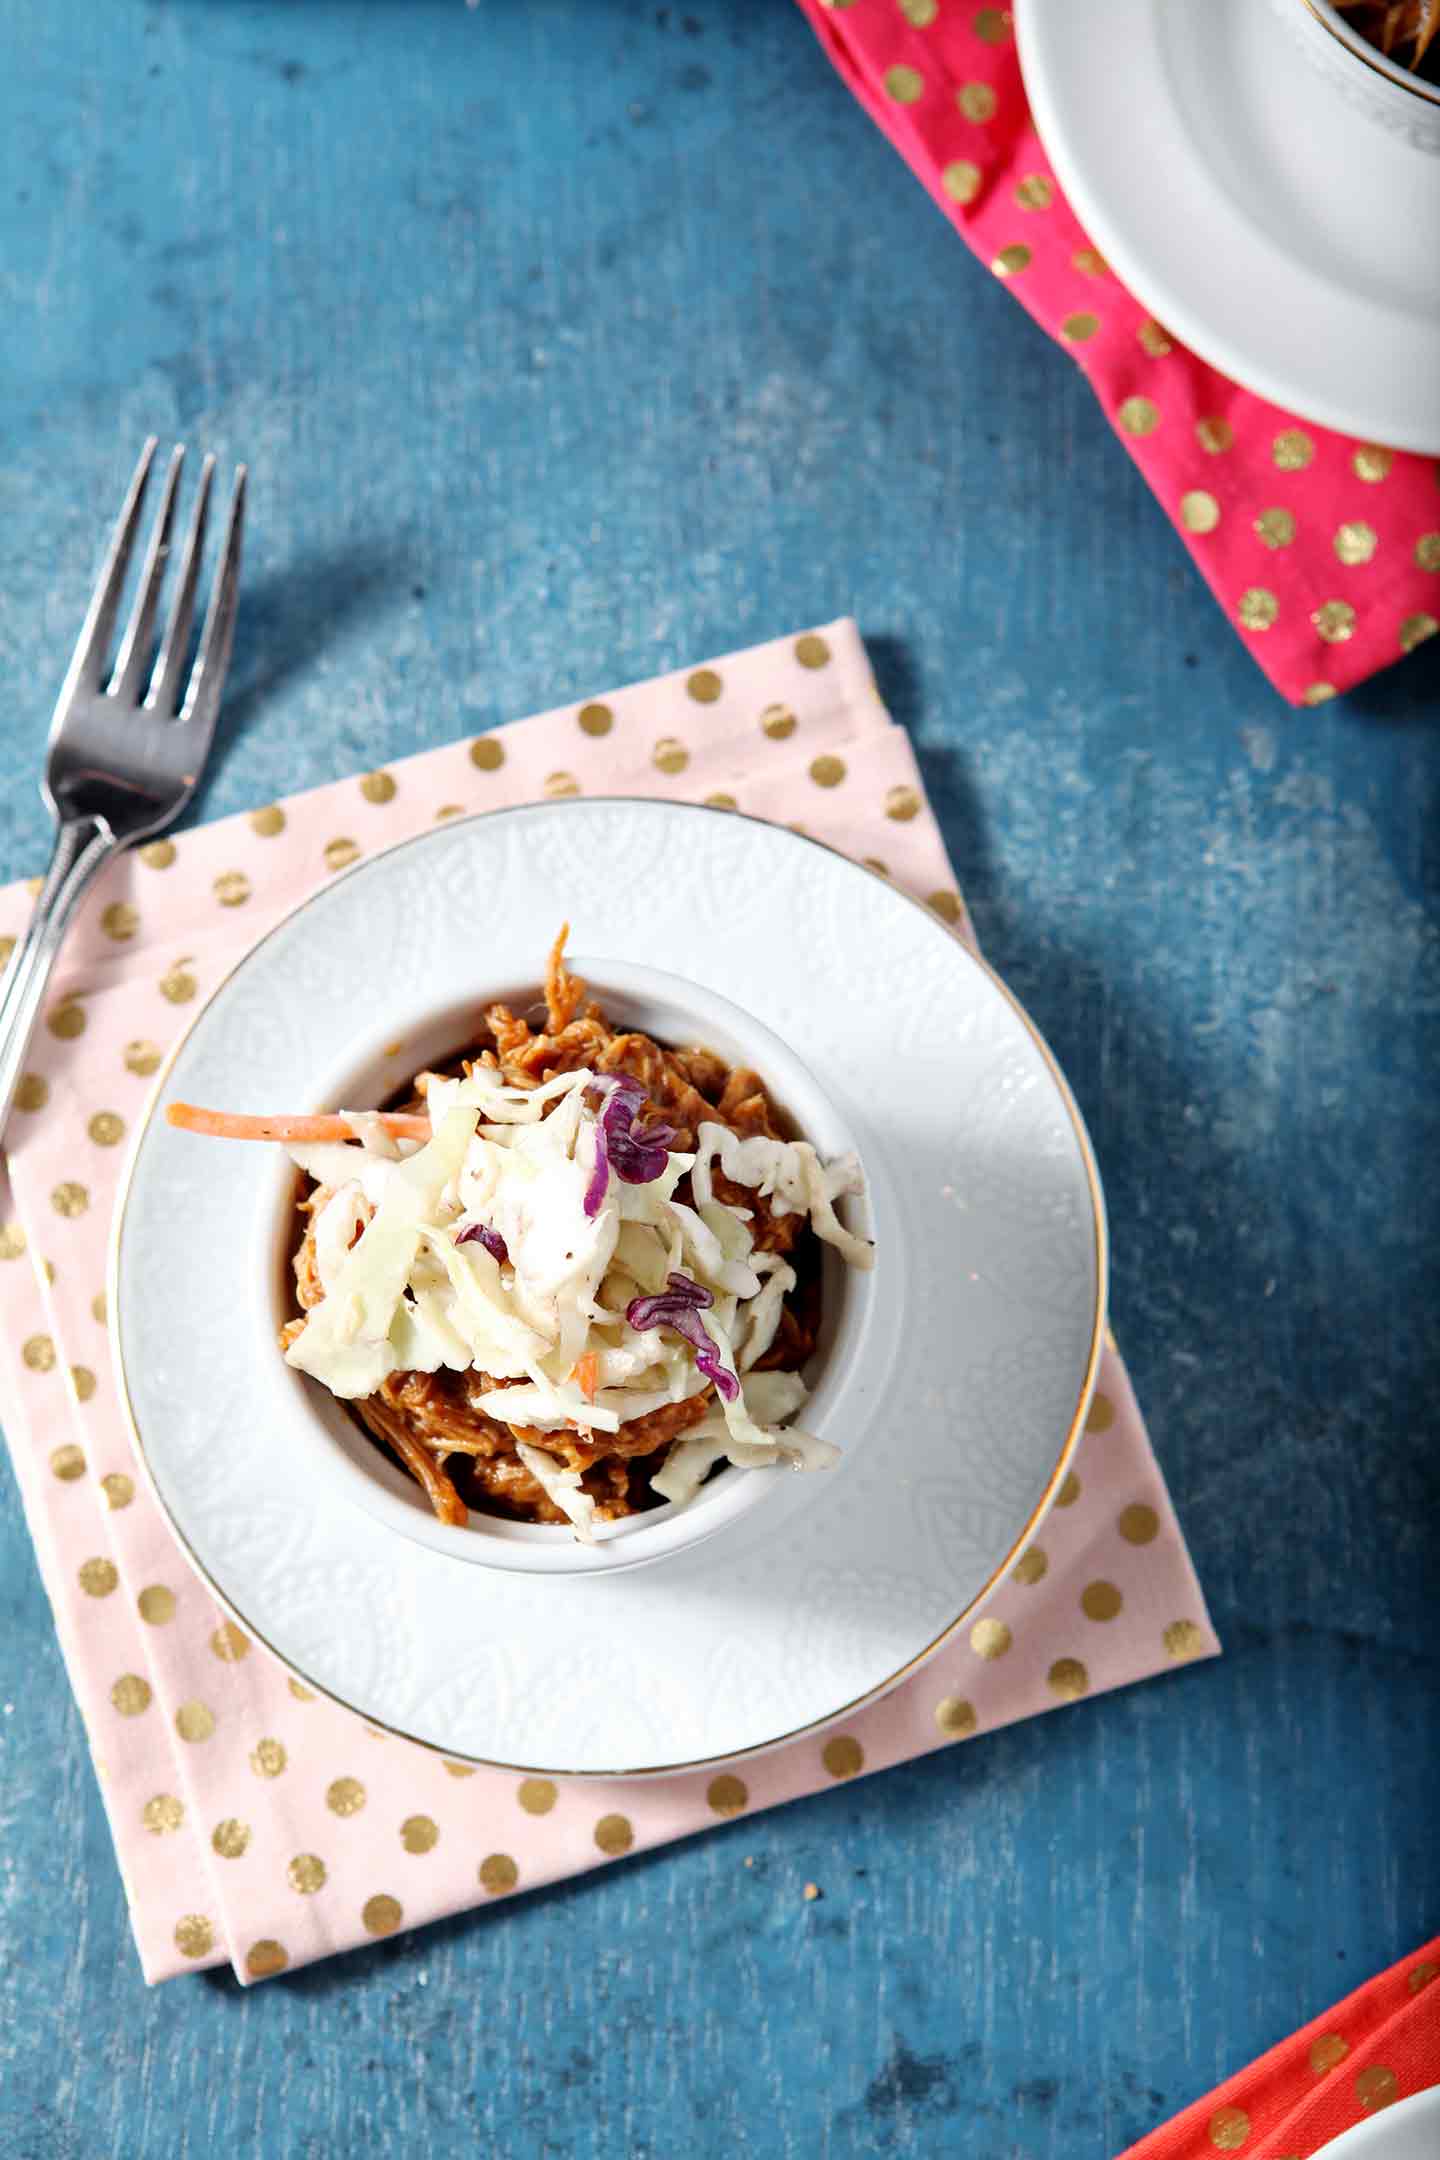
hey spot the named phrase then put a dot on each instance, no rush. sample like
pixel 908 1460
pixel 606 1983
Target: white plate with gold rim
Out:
pixel 1260 190
pixel 984 1328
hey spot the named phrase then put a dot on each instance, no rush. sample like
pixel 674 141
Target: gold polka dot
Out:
pixel 614 1834
pixel 1327 2050
pixel 920 13
pixel 1427 551
pixel 7 946
pixel 232 888
pixel 498 1873
pixel 1421 1975
pixel 130 1694
pixel 1258 607
pixel 120 921
pixel 873 862
pixel 230 1838
pixel 68 1463
pixel 12 1241
pixel 1068 1679
pixel 704 686
pixel 487 754
pixel 177 986
pixel 976 101
pixel 1275 528
pixel 66 1020
pixel 268 822
pixel 1199 511
pixel 1335 621
pixel 267 1957
pixel 70 1199
pixel 827 771
pixel 419 1834
pixel 157 1604
pixel 306 1873
pixel 194 1936
pixel 1089 262
pixel 458 1770
pixel 1078 329
pixel 34 887
pixel 1154 339
pixel 1292 450
pixel 947 905
pixel 449 810
pixel 1229 2128
pixel 670 755
pixel 106 1128
pixel 904 84
pixel 812 651
pixel 1011 261
pixel 1069 1491
pixel 38 1353
pixel 49 1268
pixel 1214 435
pixel 902 804
pixel 1035 192
pixel 727 1795
pixel 1317 693
pixel 843 1756
pixel 992 25
pixel 340 851
pixel 721 801
pixel 961 180
pixel 1138 1524
pixel 33 1092
pixel 301 1694
pixel 157 854
pixel 98 1578
pixel 778 722
pixel 345 1796
pixel 1031 1566
pixel 1139 416
pixel 1100 1601
pixel 595 719
pixel 1101 1414
pixel 1415 629
pixel 118 1489
pixel 194 1722
pixel 143 1057
pixel 228 1644
pixel 378 787
pixel 1183 1640
pixel 1376 2087
pixel 99 1307
pixel 955 1717
pixel 162 1814
pixel 1355 541
pixel 1372 463
pixel 267 1758
pixel 560 784
pixel 990 1638
pixel 537 1795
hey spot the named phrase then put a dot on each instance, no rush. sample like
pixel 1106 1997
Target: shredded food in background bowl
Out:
pixel 1403 30
pixel 570 1274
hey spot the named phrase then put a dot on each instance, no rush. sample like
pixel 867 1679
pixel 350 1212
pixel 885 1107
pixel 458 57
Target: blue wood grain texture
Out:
pixel 573 340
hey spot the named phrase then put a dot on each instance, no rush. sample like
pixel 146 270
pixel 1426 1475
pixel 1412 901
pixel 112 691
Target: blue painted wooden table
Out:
pixel 573 340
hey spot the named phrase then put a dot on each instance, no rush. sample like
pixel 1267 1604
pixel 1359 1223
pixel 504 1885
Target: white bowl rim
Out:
pixel 1333 23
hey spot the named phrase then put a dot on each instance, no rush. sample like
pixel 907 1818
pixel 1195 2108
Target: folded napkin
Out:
pixel 1323 552
pixel 254 1821
pixel 1380 2045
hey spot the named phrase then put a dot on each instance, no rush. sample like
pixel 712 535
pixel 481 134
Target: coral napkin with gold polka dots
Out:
pixel 254 1820
pixel 1379 2046
pixel 1324 553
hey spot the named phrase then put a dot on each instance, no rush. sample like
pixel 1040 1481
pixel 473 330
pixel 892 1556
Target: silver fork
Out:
pixel 125 756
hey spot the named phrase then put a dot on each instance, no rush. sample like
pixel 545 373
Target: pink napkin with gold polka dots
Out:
pixel 254 1821
pixel 1323 552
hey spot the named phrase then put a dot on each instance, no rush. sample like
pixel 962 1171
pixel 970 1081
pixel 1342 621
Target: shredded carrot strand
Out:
pixel 587 1374
pixel 232 1125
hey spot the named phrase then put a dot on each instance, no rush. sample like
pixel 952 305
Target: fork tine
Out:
pixel 94 639
pixel 202 699
pixel 135 652
pixel 166 681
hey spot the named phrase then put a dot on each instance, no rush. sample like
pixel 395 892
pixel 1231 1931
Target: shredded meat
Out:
pixel 431 1423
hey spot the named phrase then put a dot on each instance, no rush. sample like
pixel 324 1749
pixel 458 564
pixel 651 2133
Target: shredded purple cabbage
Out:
pixel 636 1158
pixel 679 1307
pixel 491 1239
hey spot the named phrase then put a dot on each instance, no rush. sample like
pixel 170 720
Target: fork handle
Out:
pixel 83 846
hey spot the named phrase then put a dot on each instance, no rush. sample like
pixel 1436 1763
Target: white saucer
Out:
pixel 978 1363
pixel 1406 2130
pixel 1250 200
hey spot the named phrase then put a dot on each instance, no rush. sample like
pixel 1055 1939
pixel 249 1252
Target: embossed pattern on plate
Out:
pixel 990 1284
